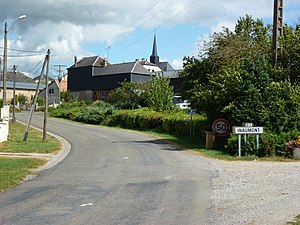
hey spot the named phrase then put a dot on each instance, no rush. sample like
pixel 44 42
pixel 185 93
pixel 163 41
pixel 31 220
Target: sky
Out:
pixel 119 30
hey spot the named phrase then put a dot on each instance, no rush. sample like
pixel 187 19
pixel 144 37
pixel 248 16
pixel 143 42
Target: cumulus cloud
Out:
pixel 69 27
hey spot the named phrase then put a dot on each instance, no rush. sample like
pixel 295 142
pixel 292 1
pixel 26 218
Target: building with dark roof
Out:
pixel 92 78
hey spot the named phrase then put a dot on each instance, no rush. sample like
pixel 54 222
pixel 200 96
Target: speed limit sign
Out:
pixel 221 127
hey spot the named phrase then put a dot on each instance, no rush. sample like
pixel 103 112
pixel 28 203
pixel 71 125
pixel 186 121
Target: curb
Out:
pixel 60 156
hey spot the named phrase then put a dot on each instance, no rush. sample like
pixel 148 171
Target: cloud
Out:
pixel 83 28
pixel 177 63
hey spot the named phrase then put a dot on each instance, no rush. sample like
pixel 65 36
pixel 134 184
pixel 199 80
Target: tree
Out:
pixel 234 78
pixel 66 96
pixel 159 93
pixel 129 95
pixel 290 55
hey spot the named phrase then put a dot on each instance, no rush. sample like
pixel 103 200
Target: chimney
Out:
pixel 104 62
pixel 75 60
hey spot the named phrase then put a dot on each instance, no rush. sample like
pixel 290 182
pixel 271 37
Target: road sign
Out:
pixel 221 127
pixel 191 111
pixel 247 130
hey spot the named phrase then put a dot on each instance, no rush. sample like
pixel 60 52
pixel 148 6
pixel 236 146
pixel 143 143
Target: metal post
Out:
pixel 191 126
pixel 4 64
pixel 14 95
pixel 240 145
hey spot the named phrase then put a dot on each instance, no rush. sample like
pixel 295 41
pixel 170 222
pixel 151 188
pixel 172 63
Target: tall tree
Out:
pixel 159 93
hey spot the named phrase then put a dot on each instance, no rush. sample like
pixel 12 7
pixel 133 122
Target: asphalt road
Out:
pixel 112 176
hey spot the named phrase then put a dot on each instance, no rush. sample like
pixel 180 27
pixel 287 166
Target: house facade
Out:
pixel 23 85
pixel 93 78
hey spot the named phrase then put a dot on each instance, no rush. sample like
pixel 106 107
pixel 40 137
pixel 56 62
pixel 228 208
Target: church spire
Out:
pixel 154 58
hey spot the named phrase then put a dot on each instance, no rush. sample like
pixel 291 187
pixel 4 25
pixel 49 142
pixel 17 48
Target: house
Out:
pixel 92 78
pixel 24 85
pixel 55 88
pixel 43 80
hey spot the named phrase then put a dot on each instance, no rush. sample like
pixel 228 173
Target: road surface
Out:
pixel 112 176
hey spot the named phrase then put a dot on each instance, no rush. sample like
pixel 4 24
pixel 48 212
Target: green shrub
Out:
pixel 271 144
pixel 90 115
pixel 172 122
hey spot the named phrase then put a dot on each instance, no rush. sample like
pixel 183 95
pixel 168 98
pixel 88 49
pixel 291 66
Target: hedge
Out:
pixel 171 122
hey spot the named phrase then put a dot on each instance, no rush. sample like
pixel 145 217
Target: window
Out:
pixel 51 91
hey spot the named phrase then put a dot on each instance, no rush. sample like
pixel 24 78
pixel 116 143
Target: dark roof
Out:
pixel 147 63
pixel 22 85
pixel 172 73
pixel 43 78
pixel 90 61
pixel 165 66
pixel 122 68
pixel 20 77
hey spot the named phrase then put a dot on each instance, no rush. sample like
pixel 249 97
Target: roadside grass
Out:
pixel 34 143
pixel 196 147
pixel 14 170
pixel 296 221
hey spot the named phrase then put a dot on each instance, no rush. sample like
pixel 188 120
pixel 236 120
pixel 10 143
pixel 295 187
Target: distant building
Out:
pixel 24 85
pixel 167 69
pixel 53 93
pixel 92 78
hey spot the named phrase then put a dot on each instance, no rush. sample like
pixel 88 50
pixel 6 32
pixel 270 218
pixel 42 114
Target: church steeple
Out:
pixel 154 58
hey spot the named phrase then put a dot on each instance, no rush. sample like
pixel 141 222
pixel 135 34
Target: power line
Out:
pixel 39 63
pixel 24 56
pixel 21 50
pixel 166 22
pixel 120 36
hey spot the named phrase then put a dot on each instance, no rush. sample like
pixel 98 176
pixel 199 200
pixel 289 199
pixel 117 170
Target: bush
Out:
pixel 271 144
pixel 172 122
pixel 90 115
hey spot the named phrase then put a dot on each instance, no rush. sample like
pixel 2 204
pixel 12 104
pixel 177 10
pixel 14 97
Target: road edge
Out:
pixel 57 158
pixel 60 156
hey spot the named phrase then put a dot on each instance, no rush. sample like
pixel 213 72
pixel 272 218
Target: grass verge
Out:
pixel 15 170
pixel 197 148
pixel 296 221
pixel 34 143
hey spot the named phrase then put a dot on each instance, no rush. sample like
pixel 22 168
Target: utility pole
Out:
pixel 277 31
pixel 46 97
pixel 14 94
pixel 59 71
pixel 5 57
pixel 1 69
pixel 34 100
pixel 4 64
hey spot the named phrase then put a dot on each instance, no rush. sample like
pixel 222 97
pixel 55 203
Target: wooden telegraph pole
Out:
pixel 35 99
pixel 277 31
pixel 46 97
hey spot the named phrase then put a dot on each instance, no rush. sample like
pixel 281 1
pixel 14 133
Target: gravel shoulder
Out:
pixel 255 192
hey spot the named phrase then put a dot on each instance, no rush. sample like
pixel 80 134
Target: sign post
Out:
pixel 191 112
pixel 246 129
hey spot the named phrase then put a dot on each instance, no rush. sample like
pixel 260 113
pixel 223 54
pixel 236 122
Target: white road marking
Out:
pixel 88 204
